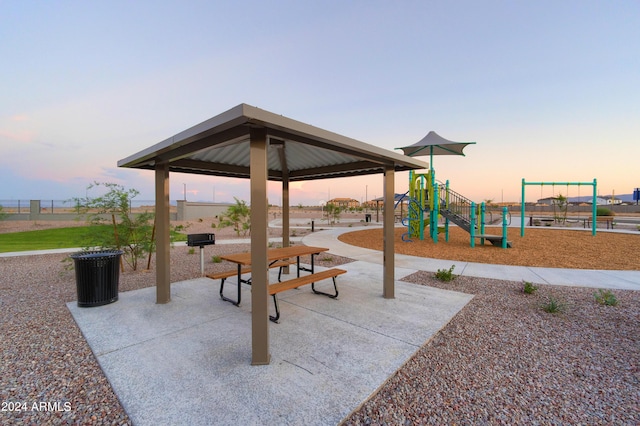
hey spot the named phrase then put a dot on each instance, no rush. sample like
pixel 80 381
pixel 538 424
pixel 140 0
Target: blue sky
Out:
pixel 548 89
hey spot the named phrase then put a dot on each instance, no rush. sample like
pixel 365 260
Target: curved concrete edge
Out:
pixel 627 280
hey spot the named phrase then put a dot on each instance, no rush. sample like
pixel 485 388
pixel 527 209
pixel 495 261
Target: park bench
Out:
pixel 606 219
pixel 546 220
pixel 279 287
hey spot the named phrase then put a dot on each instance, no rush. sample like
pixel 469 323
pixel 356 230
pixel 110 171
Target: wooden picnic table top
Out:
pixel 275 254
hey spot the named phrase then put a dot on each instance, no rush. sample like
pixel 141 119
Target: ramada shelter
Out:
pixel 251 143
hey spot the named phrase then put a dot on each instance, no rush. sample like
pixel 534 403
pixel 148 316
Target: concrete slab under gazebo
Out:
pixel 248 142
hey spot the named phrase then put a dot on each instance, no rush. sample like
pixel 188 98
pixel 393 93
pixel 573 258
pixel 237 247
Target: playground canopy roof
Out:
pixel 434 144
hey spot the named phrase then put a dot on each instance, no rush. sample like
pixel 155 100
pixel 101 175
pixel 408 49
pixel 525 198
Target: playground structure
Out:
pixel 593 184
pixel 426 196
pixel 428 200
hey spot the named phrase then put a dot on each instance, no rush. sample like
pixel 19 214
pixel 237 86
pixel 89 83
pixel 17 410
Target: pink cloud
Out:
pixel 24 136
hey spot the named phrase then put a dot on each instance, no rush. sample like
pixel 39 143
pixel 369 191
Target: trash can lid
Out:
pixel 95 254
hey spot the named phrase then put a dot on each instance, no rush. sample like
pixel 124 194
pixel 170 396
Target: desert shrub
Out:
pixel 238 216
pixel 605 297
pixel 216 259
pixel 446 275
pixel 603 211
pixel 528 288
pixel 553 305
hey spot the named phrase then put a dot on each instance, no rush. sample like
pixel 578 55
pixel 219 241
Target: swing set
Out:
pixel 541 184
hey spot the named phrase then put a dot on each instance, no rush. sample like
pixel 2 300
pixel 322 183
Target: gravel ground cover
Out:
pixel 501 360
pixel 44 358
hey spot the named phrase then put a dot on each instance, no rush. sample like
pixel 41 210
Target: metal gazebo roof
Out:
pixel 220 147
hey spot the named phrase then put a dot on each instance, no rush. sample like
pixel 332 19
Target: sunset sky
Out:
pixel 548 90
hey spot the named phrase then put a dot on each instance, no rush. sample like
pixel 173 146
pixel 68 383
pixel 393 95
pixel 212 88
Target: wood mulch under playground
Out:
pixel 551 248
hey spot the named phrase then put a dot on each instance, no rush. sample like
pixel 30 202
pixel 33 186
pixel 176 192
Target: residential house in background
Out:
pixel 371 204
pixel 344 203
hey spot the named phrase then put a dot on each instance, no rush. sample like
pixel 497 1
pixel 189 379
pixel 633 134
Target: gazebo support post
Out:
pixel 389 233
pixel 163 241
pixel 259 244
pixel 286 231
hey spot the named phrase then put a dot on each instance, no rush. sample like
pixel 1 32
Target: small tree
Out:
pixel 562 203
pixel 238 216
pixel 333 213
pixel 133 234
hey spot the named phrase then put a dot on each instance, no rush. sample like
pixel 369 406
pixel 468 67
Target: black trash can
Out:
pixel 97 277
pixel 367 217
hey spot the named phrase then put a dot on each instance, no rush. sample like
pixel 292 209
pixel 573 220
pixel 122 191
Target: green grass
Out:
pixel 44 239
pixel 53 239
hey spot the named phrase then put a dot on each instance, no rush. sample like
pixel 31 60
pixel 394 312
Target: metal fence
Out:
pixel 15 206
pixel 59 206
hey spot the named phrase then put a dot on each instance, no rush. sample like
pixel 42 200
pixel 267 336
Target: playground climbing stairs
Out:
pixel 457 209
pixel 458 219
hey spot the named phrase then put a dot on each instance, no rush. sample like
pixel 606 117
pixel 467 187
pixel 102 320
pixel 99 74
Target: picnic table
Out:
pixel 279 258
pixel 586 221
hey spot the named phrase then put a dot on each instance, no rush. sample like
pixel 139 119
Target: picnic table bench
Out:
pixel 607 219
pixel 279 287
pixel 223 275
pixel 544 219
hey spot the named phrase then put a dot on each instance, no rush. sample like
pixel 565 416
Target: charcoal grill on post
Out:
pixel 201 240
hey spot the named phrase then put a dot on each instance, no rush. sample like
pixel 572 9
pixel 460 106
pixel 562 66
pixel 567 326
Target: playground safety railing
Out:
pixel 455 203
